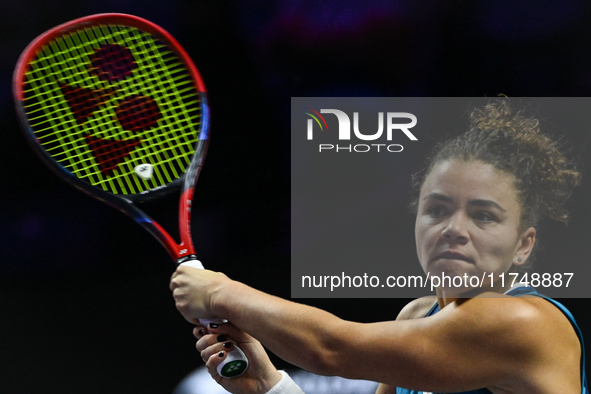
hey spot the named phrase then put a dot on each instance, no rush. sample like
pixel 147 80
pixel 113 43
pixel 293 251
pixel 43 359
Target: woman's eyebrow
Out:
pixel 486 203
pixel 438 196
pixel 477 202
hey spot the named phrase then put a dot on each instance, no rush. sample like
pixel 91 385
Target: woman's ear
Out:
pixel 525 246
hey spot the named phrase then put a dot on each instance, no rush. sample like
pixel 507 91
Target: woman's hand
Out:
pixel 215 343
pixel 194 291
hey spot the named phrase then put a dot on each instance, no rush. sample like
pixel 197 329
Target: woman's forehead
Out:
pixel 470 179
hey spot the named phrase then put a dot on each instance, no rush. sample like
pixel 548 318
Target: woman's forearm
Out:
pixel 302 335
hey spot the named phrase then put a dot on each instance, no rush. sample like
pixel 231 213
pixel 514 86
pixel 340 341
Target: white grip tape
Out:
pixel 206 322
pixel 194 263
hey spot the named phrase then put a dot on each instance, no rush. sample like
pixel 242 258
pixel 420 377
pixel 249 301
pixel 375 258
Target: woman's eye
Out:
pixel 437 211
pixel 484 216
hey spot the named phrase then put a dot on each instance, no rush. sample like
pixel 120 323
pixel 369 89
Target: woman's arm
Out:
pixel 481 342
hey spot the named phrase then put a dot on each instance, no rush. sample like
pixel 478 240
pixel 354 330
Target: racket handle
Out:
pixel 236 362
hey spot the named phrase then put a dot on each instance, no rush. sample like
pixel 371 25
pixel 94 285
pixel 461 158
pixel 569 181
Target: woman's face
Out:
pixel 468 223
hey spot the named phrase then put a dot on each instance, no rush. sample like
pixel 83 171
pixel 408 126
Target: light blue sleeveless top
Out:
pixel 518 292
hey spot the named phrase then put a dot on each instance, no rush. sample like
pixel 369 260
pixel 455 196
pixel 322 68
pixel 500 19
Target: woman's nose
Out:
pixel 456 229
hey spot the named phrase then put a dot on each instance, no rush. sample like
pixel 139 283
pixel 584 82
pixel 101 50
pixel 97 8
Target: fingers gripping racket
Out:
pixel 116 107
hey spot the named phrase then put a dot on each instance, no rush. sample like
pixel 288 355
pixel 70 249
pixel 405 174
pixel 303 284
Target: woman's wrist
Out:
pixel 270 381
pixel 226 297
pixel 285 386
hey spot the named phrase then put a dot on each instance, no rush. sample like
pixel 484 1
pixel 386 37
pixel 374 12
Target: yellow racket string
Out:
pixel 104 99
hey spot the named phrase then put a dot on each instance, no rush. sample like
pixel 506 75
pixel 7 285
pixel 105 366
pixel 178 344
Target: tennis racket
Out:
pixel 115 106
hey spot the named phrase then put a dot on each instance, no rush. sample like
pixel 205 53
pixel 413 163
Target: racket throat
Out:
pixel 189 259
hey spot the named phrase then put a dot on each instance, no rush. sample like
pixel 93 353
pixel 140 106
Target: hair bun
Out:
pixel 544 176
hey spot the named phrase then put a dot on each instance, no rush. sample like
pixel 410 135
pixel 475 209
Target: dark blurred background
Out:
pixel 84 299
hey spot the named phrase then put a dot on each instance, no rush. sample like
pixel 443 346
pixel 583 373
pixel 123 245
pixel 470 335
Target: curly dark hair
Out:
pixel 544 177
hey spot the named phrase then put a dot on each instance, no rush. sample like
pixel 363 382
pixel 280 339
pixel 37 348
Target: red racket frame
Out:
pixel 178 251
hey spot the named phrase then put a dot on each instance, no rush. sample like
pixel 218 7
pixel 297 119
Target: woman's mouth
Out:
pixel 449 255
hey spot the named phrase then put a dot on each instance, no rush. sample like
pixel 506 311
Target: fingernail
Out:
pixel 221 354
pixel 227 345
pixel 222 338
pixel 201 332
pixel 213 325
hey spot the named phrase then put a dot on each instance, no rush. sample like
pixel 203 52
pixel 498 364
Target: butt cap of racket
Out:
pixel 234 365
pixel 236 362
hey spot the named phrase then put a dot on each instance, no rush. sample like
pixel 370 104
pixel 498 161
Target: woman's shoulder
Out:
pixel 417 308
pixel 487 308
pixel 530 319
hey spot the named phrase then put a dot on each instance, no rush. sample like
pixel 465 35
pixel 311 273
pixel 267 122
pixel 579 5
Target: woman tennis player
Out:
pixel 480 200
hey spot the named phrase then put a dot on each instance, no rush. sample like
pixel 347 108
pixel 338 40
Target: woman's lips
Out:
pixel 449 255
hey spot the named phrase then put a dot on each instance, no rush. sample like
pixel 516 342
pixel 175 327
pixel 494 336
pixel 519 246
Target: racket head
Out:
pixel 114 105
